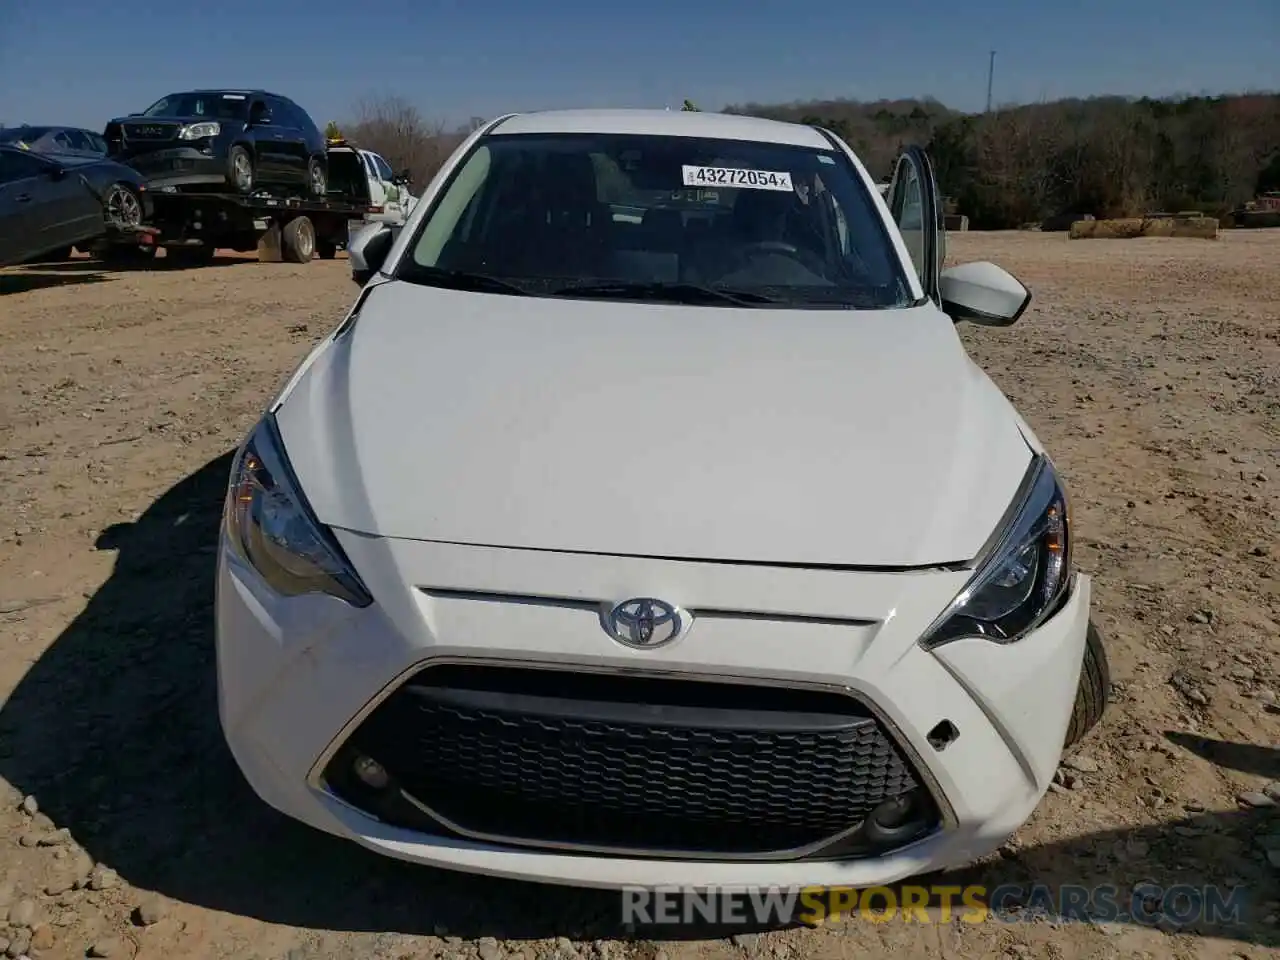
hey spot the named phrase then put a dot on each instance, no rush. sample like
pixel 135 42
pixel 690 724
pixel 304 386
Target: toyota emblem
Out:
pixel 645 623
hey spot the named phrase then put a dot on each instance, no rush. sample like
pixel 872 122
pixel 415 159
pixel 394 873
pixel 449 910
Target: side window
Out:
pixel 18 166
pixel 908 213
pixel 260 113
pixel 384 168
pixel 302 120
pixel 281 116
pixel 62 140
pixel 97 143
pixel 911 211
pixel 916 211
pixel 80 140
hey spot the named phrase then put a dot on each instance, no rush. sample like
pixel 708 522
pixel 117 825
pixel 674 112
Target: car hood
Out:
pixel 167 118
pixel 813 437
pixel 74 159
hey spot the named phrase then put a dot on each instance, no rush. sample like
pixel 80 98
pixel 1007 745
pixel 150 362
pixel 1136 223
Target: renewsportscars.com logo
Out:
pixel 1147 904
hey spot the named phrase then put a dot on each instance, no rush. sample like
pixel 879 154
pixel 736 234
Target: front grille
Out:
pixel 628 764
pixel 150 131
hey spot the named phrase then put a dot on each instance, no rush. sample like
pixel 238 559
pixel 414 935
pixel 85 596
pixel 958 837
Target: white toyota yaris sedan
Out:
pixel 646 522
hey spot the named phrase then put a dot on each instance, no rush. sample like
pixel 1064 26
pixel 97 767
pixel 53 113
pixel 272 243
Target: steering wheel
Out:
pixel 805 258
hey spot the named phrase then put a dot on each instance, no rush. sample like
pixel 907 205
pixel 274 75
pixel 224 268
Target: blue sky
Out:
pixel 81 62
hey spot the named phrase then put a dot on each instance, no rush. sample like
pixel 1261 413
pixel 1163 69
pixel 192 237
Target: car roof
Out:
pixel 242 91
pixel 671 123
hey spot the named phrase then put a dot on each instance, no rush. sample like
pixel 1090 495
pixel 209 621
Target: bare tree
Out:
pixel 396 129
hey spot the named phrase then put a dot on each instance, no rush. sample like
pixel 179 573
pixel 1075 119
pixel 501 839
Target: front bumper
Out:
pixel 178 167
pixel 298 677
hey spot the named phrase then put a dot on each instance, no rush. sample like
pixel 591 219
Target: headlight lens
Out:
pixel 198 131
pixel 271 527
pixel 1025 578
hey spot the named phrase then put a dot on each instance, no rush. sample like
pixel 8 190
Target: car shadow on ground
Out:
pixel 118 263
pixel 46 276
pixel 115 731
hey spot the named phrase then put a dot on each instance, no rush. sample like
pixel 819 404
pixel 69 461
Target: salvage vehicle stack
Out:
pixel 238 169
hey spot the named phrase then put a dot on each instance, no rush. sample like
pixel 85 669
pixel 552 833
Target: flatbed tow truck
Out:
pixel 192 226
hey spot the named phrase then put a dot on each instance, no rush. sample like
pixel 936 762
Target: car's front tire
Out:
pixel 122 207
pixel 240 172
pixel 1094 689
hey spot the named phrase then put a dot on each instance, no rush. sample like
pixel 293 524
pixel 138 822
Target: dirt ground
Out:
pixel 1151 369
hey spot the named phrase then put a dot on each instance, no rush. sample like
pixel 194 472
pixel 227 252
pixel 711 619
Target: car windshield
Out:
pixel 613 216
pixel 215 106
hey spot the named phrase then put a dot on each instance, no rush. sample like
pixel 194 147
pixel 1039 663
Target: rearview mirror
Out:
pixel 983 293
pixel 367 250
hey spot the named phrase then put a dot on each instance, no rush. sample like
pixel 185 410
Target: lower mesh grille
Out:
pixel 627 764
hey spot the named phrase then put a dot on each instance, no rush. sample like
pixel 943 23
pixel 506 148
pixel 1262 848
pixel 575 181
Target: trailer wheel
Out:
pixel 326 249
pixel 298 238
pixel 317 177
pixel 240 172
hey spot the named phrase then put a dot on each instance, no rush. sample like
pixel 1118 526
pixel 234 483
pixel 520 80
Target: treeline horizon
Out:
pixel 1109 156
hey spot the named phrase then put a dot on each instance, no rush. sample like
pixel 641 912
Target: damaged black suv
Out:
pixel 245 140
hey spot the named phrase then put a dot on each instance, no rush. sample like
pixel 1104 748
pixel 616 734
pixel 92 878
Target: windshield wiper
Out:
pixel 462 280
pixel 673 292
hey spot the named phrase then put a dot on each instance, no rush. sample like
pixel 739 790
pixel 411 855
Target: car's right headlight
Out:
pixel 270 526
pixel 198 131
pixel 1025 578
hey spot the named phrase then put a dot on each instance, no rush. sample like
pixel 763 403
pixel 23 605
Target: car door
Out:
pixel 16 171
pixel 268 138
pixel 43 207
pixel 292 139
pixel 915 203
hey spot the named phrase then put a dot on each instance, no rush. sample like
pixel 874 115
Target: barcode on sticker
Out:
pixel 735 177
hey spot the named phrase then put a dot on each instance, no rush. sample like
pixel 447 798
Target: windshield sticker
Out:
pixel 823 158
pixel 233 96
pixel 731 177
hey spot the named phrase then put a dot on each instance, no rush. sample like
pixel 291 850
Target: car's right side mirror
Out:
pixel 367 250
pixel 983 293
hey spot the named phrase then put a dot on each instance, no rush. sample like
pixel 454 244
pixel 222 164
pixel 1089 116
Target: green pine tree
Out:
pixel 332 132
pixel 689 107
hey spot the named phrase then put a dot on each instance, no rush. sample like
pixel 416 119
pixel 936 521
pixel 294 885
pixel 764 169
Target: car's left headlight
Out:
pixel 270 526
pixel 1025 578
pixel 198 131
